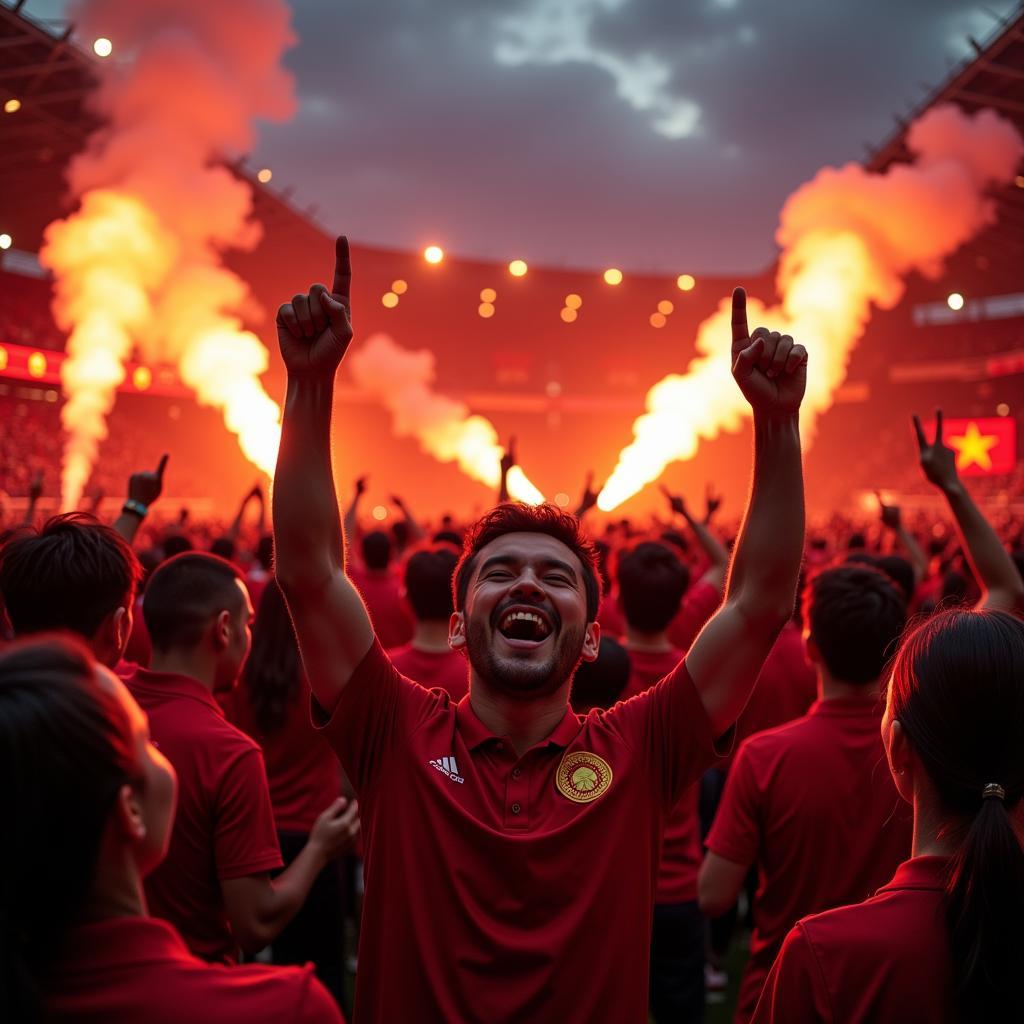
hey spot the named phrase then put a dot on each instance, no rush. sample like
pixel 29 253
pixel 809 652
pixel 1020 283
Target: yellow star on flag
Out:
pixel 972 447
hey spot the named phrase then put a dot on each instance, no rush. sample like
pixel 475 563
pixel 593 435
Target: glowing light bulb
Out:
pixel 103 47
pixel 380 513
pixel 685 282
pixel 665 307
pixel 389 300
pixel 488 295
pixel 12 106
pixel 6 241
pixel 955 301
pixel 399 287
pixel 264 174
pixel 658 320
pixel 568 315
pixel 37 364
pixel 142 377
pixel 486 310
pixel 573 301
pixel 613 276
pixel 518 268
pixel 433 254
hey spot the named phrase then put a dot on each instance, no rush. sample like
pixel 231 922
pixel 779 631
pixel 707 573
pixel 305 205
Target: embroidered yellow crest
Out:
pixel 583 776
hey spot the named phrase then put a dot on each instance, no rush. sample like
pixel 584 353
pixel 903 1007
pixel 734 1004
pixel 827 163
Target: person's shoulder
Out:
pixel 777 740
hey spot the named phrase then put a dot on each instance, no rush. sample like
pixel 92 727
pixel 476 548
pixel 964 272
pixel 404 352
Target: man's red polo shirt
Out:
pixel 447 669
pixel 786 687
pixel 813 805
pixel 132 969
pixel 224 827
pixel 885 960
pixel 501 888
pixel 302 771
pixel 681 850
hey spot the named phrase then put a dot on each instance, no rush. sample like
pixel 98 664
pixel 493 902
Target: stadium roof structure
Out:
pixel 992 78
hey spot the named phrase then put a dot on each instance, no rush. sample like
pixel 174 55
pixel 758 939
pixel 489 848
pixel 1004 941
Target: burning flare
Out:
pixel 138 264
pixel 403 381
pixel 848 238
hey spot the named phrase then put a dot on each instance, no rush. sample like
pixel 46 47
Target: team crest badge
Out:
pixel 583 776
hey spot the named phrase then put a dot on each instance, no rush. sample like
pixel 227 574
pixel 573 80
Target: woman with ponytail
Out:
pixel 87 804
pixel 943 941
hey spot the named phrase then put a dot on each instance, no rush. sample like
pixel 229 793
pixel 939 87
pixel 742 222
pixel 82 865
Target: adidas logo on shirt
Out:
pixel 447 766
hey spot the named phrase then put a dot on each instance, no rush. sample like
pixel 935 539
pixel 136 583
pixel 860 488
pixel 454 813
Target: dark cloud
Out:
pixel 411 129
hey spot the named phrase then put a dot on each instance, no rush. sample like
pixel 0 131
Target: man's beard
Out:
pixel 522 678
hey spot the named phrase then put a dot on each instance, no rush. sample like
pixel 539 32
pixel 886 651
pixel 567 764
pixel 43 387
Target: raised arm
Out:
pixel 331 623
pixel 1001 584
pixel 143 489
pixel 508 461
pixel 416 531
pixel 725 659
pixel 589 497
pixel 892 519
pixel 351 520
pixel 710 544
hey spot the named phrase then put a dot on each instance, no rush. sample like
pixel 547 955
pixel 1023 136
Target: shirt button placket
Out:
pixel 517 815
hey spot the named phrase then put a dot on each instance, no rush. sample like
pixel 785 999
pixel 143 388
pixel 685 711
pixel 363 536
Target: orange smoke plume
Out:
pixel 403 381
pixel 138 264
pixel 848 239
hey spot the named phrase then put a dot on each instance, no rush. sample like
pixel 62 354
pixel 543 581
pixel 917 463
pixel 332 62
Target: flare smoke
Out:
pixel 403 381
pixel 848 238
pixel 138 264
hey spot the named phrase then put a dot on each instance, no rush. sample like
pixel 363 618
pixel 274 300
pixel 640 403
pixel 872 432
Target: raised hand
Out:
pixel 712 502
pixel 145 487
pixel 589 497
pixel 891 516
pixel 314 330
pixel 508 456
pixel 769 368
pixel 675 501
pixel 937 461
pixel 35 487
pixel 361 485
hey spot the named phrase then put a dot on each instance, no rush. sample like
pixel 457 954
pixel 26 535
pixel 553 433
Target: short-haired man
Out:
pixel 74 574
pixel 511 847
pixel 215 884
pixel 427 658
pixel 812 803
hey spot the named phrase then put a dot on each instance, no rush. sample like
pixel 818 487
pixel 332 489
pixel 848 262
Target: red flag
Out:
pixel 984 445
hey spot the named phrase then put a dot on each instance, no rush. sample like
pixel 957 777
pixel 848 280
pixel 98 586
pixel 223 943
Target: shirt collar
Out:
pixel 170 684
pixel 476 734
pixel 925 872
pixel 120 940
pixel 847 707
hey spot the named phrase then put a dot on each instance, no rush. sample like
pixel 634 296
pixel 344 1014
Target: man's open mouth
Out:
pixel 522 624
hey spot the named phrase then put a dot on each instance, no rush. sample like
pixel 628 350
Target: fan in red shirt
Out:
pixel 651 583
pixel 88 802
pixel 215 884
pixel 942 941
pixel 271 704
pixel 427 659
pixel 511 848
pixel 808 802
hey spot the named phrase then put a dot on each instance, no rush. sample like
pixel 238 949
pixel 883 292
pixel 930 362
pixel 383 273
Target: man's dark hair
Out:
pixel 896 567
pixel 428 582
pixel 70 575
pixel 601 683
pixel 855 615
pixel 652 581
pixel 176 544
pixel 376 550
pixel 223 547
pixel 516 518
pixel 448 537
pixel 184 595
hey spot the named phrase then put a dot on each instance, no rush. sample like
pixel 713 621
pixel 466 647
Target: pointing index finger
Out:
pixel 162 466
pixel 740 331
pixel 342 286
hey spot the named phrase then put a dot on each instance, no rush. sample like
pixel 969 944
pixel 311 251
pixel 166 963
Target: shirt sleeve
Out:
pixel 736 832
pixel 699 603
pixel 668 725
pixel 377 708
pixel 245 837
pixel 318 1005
pixel 795 991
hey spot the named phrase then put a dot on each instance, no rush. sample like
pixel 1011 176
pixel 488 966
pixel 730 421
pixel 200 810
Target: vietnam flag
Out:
pixel 985 446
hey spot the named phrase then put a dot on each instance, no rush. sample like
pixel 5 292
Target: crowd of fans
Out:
pixel 183 843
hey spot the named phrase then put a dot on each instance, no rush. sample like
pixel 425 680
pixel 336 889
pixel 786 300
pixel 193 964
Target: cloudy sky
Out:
pixel 649 134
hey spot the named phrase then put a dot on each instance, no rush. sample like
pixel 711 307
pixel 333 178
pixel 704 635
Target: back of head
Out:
pixel 896 567
pixel 652 581
pixel 271 675
pixel 183 597
pixel 71 574
pixel 600 683
pixel 855 615
pixel 65 751
pixel 428 582
pixel 376 550
pixel 548 519
pixel 223 547
pixel 957 693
